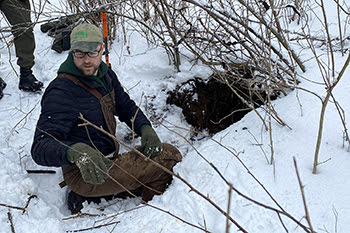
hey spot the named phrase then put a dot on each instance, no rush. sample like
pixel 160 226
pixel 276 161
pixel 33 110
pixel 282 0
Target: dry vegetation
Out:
pixel 248 45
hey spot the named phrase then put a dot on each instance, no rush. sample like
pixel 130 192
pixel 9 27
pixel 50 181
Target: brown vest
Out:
pixel 107 104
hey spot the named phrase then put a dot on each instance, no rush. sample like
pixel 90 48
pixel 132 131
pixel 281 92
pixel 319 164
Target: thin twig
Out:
pixel 9 216
pixel 94 227
pixel 25 116
pixel 13 207
pixel 29 199
pixel 123 212
pixel 258 144
pixel 228 209
pixel 17 207
pixel 81 215
pixel 307 215
pixel 41 171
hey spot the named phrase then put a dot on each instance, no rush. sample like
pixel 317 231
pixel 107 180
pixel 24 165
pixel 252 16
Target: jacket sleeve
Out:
pixel 126 107
pixel 56 119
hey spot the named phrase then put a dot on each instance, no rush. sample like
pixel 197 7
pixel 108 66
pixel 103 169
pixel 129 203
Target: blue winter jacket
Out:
pixel 61 105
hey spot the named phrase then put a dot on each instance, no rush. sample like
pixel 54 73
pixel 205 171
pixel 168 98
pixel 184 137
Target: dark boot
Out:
pixel 75 201
pixel 28 82
pixel 2 87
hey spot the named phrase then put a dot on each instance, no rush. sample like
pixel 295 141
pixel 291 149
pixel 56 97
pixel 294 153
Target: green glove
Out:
pixel 150 142
pixel 88 160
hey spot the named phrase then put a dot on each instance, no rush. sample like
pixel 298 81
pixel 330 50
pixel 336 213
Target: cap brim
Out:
pixel 85 46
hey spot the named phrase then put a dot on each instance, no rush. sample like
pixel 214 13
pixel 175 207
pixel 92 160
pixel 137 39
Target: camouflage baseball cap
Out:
pixel 85 37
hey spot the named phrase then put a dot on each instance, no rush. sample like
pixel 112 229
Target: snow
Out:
pixel 241 159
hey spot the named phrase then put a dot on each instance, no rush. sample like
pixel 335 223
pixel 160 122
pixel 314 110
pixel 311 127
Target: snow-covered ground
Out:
pixel 146 72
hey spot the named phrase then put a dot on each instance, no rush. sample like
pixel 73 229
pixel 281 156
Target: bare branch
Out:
pixel 307 215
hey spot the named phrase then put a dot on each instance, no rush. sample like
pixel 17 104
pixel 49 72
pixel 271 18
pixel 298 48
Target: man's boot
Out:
pixel 2 87
pixel 28 82
pixel 75 201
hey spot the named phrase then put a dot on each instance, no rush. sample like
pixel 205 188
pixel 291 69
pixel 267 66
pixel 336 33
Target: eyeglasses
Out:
pixel 80 54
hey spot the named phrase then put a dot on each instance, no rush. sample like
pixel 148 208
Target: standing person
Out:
pixel 85 85
pixel 17 13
